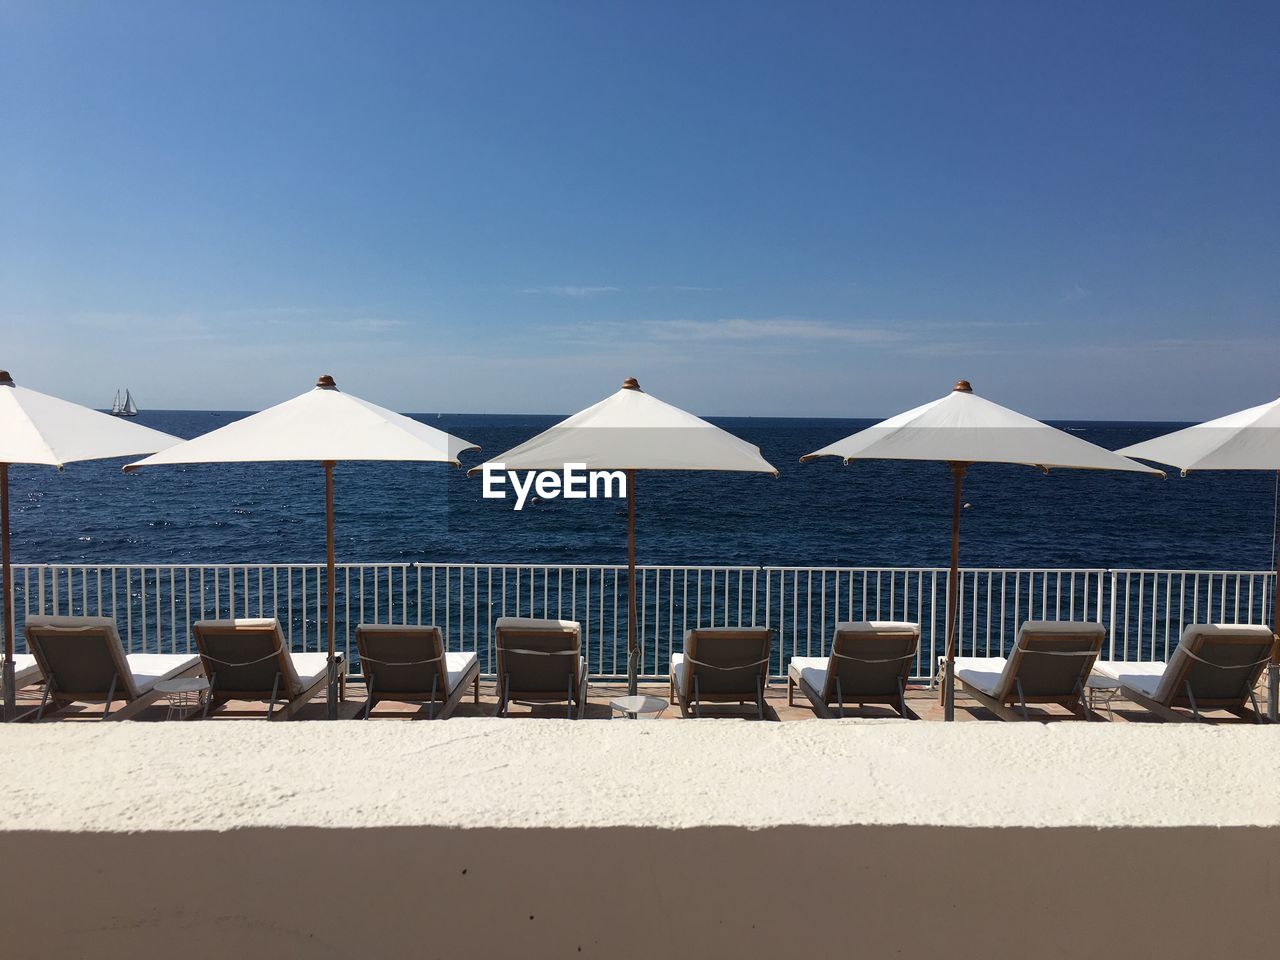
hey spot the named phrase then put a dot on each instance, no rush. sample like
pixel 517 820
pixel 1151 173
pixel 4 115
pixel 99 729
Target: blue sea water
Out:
pixel 820 513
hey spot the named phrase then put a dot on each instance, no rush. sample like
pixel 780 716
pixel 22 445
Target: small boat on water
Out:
pixel 124 406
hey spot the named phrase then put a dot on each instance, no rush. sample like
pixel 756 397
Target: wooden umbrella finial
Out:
pixel 631 383
pixel 962 386
pixel 5 379
pixel 326 382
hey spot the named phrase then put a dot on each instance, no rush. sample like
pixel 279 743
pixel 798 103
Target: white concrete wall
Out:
pixel 483 838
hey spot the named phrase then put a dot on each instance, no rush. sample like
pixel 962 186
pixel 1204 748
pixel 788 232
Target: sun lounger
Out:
pixel 410 665
pixel 250 660
pixel 540 661
pixel 83 660
pixel 1049 663
pixel 1215 667
pixel 721 665
pixel 870 662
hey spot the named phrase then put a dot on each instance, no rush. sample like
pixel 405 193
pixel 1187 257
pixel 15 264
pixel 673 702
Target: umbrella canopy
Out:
pixel 963 429
pixel 631 431
pixel 36 428
pixel 323 425
pixel 1246 440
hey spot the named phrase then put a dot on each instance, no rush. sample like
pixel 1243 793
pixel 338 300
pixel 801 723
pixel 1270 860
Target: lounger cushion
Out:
pixel 1142 675
pixel 148 669
pixel 677 669
pixel 984 673
pixel 25 670
pixel 457 664
pixel 812 670
pixel 533 623
pixel 310 667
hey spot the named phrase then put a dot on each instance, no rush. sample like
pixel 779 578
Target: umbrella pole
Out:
pixel 10 693
pixel 633 667
pixel 953 592
pixel 1273 670
pixel 328 522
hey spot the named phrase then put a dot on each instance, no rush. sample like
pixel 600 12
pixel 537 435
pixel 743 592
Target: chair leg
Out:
pixel 760 698
pixel 275 691
pixel 368 700
pixel 208 698
pixel 1084 702
pixel 48 688
pixel 111 695
pixel 697 698
pixel 475 685
pixel 791 691
pixel 502 696
pixel 1022 700
pixel 431 707
pixel 1191 698
pixel 839 700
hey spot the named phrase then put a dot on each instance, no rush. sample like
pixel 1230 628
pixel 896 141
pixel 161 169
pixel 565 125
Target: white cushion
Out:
pixel 533 623
pixel 981 672
pixel 1124 669
pixel 457 664
pixel 148 669
pixel 310 667
pixel 1140 675
pixel 25 670
pixel 877 626
pixel 677 669
pixel 812 670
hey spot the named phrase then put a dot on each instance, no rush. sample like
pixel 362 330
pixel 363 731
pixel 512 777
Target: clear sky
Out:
pixel 830 209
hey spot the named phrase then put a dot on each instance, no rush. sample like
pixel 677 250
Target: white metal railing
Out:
pixel 155 605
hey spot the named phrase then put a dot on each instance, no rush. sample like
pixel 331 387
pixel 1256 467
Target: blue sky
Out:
pixel 830 209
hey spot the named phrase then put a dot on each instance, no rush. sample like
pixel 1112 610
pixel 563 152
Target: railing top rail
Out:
pixel 719 568
pixel 1206 572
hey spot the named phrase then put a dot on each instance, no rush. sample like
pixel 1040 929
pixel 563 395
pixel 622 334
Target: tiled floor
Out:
pixel 922 700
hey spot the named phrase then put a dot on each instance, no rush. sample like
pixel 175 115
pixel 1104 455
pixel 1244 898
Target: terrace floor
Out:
pixel 921 699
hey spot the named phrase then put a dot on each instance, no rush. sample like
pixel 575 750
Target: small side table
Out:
pixel 186 695
pixel 634 708
pixel 1102 691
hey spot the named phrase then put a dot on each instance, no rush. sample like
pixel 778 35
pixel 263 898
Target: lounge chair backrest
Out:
pixel 537 656
pixel 245 656
pixel 726 659
pixel 1050 658
pixel 1221 661
pixel 403 659
pixel 80 656
pixel 871 657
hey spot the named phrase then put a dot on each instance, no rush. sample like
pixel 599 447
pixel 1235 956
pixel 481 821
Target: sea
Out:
pixel 822 513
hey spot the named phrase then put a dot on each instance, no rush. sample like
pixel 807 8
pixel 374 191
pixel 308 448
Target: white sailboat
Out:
pixel 124 406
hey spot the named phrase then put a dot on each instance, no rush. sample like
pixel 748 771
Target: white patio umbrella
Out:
pixel 322 425
pixel 1247 440
pixel 963 429
pixel 36 428
pixel 629 431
